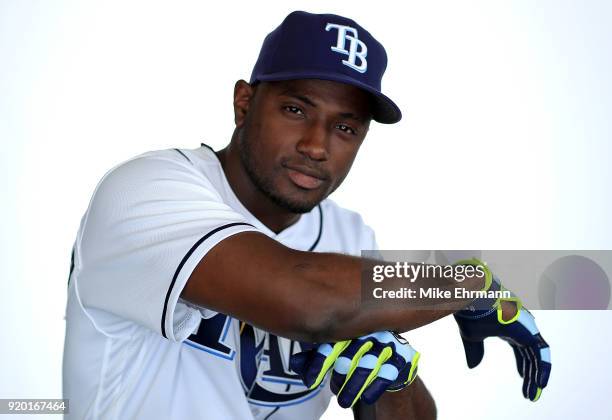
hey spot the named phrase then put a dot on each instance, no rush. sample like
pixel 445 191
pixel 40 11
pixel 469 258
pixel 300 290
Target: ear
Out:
pixel 243 93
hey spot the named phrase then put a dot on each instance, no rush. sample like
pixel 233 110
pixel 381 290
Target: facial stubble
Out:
pixel 263 183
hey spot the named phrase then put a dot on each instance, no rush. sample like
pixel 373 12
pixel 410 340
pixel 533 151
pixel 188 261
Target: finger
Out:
pixel 545 366
pixel 534 350
pixel 538 364
pixel 390 379
pixel 542 352
pixel 387 374
pixel 359 379
pixel 322 361
pixel 347 362
pixel 520 360
pixel 341 368
pixel 531 390
pixel 474 352
pixel 526 371
pixel 311 366
pixel 298 361
pixel 336 383
pixel 354 386
pixel 407 370
pixel 373 392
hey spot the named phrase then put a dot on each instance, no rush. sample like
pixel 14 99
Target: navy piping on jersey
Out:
pixel 182 263
pixel 205 145
pixel 273 411
pixel 316 242
pixel 71 266
pixel 184 155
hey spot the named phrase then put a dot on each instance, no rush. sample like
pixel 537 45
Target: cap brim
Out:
pixel 384 110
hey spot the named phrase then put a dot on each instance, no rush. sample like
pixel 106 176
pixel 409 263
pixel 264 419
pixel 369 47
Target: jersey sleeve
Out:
pixel 149 223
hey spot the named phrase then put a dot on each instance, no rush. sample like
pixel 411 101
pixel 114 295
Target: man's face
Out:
pixel 298 139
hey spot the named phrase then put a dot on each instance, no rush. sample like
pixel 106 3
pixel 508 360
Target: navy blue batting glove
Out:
pixel 484 318
pixel 363 368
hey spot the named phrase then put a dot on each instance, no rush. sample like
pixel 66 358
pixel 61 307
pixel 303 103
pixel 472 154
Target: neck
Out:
pixel 265 210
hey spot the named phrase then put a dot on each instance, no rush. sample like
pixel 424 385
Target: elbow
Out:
pixel 318 329
pixel 322 306
pixel 320 323
pixel 300 320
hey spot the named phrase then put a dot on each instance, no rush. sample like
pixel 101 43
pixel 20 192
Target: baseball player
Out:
pixel 226 285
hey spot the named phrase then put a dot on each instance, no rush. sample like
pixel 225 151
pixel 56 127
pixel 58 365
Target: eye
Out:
pixel 293 109
pixel 346 129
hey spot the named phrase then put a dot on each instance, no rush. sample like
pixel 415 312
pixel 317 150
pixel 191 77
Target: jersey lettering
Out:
pixel 278 372
pixel 211 335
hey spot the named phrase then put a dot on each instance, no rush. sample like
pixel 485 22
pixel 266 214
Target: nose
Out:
pixel 314 142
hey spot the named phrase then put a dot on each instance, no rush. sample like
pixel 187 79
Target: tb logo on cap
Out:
pixel 357 48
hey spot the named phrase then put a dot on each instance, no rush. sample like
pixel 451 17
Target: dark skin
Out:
pixel 412 402
pixel 294 143
pixel 316 128
pixel 303 125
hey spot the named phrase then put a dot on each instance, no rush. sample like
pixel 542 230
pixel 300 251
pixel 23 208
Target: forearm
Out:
pixel 306 296
pixel 332 284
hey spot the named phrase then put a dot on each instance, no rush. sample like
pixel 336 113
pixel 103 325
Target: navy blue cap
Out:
pixel 328 47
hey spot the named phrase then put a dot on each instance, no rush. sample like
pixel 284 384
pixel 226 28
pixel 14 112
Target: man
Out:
pixel 197 275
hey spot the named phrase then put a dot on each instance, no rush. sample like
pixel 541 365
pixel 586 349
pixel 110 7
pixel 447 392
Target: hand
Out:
pixel 488 317
pixel 363 368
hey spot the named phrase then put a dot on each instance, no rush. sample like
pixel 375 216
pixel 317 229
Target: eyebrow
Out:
pixel 308 101
pixel 295 95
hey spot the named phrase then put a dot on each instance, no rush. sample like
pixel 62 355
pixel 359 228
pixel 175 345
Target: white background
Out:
pixel 505 144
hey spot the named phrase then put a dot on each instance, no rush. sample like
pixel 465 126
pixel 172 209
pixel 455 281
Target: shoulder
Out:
pixel 152 183
pixel 157 169
pixel 153 161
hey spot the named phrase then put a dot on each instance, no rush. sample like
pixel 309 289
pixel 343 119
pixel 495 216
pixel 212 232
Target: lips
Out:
pixel 305 177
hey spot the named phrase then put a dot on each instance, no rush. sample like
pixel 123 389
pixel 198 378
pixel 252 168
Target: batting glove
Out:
pixel 363 368
pixel 484 319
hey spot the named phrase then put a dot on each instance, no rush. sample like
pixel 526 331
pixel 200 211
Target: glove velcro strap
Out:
pixel 483 307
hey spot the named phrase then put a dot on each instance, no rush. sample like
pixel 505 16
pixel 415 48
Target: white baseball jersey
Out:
pixel 134 349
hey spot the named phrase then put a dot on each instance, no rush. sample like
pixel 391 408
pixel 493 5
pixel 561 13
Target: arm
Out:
pixel 308 296
pixel 413 402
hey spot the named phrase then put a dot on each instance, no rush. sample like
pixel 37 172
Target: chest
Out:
pixel 259 359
